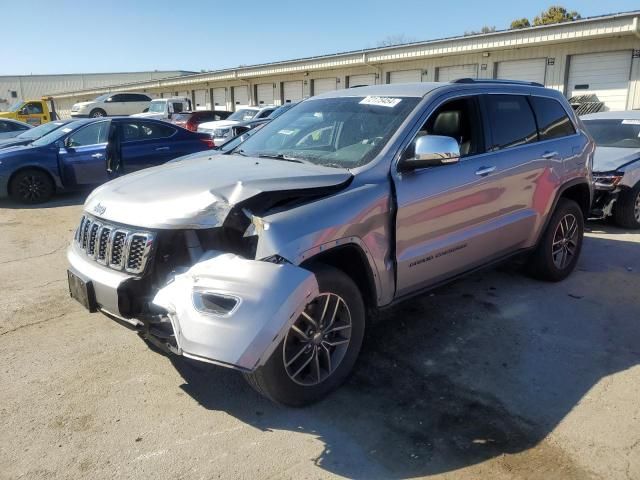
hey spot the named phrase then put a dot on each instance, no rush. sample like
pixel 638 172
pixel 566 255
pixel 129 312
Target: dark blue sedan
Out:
pixel 89 152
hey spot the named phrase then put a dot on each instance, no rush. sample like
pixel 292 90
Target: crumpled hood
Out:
pixel 200 193
pixel 608 159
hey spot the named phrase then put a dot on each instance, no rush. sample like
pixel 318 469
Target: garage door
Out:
pixel 359 80
pixel 241 96
pixel 220 98
pixel 324 85
pixel 264 93
pixel 201 100
pixel 531 70
pixel 603 74
pixel 448 74
pixel 292 91
pixel 405 76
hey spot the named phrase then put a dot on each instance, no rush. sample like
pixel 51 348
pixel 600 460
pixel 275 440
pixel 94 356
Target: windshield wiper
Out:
pixel 281 156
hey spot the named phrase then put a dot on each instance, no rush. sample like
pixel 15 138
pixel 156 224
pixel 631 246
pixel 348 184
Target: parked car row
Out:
pixel 269 256
pixel 88 152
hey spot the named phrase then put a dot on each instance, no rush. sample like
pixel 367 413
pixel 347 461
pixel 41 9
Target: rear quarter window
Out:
pixel 553 121
pixel 511 120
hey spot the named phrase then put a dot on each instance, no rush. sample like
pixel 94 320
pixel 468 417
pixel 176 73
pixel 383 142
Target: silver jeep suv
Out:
pixel 269 258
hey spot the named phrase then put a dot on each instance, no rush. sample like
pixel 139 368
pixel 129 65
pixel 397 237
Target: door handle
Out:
pixel 484 171
pixel 96 155
pixel 160 149
pixel 549 155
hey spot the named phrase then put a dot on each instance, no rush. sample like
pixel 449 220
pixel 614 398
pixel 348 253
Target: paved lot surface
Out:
pixel 496 376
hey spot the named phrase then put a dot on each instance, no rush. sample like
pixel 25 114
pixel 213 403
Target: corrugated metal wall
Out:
pixel 35 86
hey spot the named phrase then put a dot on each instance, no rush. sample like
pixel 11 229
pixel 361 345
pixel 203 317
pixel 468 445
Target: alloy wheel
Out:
pixel 636 208
pixel 31 187
pixel 565 241
pixel 318 340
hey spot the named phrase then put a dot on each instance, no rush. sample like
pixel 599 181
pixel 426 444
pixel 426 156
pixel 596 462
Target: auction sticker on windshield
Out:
pixel 381 101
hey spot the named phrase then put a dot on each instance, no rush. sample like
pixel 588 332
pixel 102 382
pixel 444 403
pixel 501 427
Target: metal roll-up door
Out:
pixel 201 100
pixel 605 75
pixel 448 74
pixel 405 76
pixel 361 80
pixel 220 98
pixel 240 96
pixel 264 93
pixel 324 85
pixel 530 70
pixel 292 91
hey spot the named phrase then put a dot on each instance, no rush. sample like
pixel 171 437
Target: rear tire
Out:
pixel 31 186
pixel 558 251
pixel 312 361
pixel 626 211
pixel 97 113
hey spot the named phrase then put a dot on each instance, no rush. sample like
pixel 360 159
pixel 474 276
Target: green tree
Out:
pixel 520 23
pixel 555 14
pixel 485 29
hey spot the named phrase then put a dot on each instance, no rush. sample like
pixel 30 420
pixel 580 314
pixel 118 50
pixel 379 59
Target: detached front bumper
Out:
pixel 225 309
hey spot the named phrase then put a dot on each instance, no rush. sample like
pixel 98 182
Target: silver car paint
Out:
pixel 446 223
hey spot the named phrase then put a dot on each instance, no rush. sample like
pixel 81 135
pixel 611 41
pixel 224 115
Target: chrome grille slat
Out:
pixel 118 248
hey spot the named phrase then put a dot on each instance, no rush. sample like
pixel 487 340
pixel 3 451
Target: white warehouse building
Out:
pixel 594 56
pixel 14 88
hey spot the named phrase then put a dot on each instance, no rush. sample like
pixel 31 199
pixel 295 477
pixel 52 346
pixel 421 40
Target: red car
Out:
pixel 191 120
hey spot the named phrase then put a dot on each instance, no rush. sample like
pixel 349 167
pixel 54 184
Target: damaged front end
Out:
pixel 606 192
pixel 194 285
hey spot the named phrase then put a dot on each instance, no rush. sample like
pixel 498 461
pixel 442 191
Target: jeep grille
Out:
pixel 118 248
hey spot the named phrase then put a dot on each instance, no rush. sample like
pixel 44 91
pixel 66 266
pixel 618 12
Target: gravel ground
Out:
pixel 495 376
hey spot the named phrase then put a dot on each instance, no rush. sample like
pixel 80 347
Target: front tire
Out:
pixel 320 348
pixel 97 113
pixel 557 254
pixel 626 211
pixel 31 186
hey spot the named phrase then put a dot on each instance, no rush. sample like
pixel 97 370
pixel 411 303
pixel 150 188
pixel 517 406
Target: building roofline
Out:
pixel 188 72
pixel 250 71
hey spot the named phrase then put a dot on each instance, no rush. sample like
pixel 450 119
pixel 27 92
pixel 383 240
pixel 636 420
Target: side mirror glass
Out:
pixel 431 151
pixel 24 111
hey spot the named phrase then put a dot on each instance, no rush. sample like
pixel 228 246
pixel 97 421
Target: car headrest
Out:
pixel 447 124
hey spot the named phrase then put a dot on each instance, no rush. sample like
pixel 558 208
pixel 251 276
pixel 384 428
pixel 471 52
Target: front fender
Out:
pixel 268 299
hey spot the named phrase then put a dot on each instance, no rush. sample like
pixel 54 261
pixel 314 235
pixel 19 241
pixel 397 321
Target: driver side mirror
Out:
pixel 431 151
pixel 24 111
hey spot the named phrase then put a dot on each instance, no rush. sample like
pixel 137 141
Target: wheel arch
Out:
pixel 579 192
pixel 23 168
pixel 351 259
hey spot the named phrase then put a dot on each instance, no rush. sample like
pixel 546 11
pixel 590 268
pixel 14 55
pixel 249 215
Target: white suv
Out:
pixel 220 130
pixel 111 104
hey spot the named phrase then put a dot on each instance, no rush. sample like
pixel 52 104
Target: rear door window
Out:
pixel 511 121
pixel 132 131
pixel 553 121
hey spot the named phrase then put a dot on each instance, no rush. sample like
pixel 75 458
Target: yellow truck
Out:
pixel 33 112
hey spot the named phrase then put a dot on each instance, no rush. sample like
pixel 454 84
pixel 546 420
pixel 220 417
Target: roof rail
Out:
pixel 497 80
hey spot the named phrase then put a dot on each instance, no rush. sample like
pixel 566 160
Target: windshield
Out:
pixel 39 131
pixel 615 133
pixel 157 107
pixel 57 134
pixel 280 110
pixel 237 140
pixel 344 132
pixel 243 115
pixel 15 107
pixel 102 98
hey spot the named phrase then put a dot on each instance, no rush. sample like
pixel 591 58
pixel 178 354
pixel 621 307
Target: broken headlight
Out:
pixel 607 181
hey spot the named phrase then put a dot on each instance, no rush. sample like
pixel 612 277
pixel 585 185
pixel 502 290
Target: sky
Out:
pixel 85 36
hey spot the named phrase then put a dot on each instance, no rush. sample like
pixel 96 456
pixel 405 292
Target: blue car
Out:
pixel 89 152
